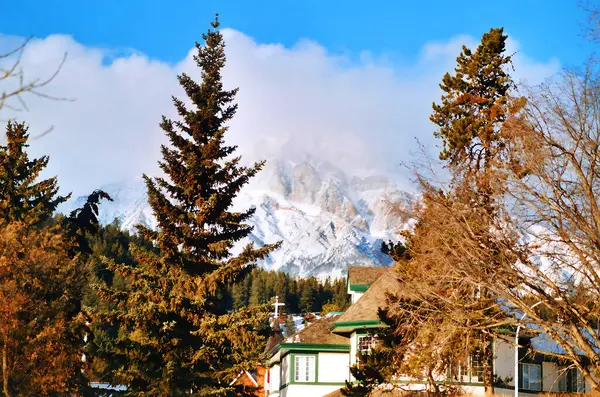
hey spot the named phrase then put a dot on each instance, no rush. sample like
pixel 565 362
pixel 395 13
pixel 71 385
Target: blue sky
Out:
pixel 164 29
pixel 344 81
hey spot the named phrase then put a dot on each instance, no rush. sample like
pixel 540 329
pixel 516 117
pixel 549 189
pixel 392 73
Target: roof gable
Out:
pixel 364 313
pixel 361 277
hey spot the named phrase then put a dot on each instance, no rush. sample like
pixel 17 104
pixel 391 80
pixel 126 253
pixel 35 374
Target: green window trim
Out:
pixel 292 366
pixel 286 348
pixel 349 326
pixel 359 287
pixel 312 384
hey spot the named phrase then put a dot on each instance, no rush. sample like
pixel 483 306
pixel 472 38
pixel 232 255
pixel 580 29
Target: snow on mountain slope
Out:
pixel 326 219
pixel 130 205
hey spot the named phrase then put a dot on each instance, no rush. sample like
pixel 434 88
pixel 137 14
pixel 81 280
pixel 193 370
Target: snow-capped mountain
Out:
pixel 326 219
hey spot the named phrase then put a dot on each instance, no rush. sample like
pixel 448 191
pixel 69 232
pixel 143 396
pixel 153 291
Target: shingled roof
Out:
pixel 319 332
pixel 364 313
pixel 361 276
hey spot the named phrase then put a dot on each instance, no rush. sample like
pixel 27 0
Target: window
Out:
pixel 366 343
pixel 577 381
pixel 571 381
pixel 476 366
pixel 304 370
pixel 531 376
pixel 562 380
pixel 469 369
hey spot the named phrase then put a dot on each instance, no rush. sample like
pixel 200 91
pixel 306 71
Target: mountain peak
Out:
pixel 326 219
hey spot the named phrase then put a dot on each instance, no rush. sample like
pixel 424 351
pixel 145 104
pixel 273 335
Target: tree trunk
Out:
pixel 5 366
pixel 488 369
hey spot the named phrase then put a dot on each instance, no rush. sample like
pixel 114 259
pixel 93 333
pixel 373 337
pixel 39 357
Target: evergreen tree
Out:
pixel 22 196
pixel 292 297
pixel 257 292
pixel 180 339
pixel 260 286
pixel 41 278
pixel 239 294
pixel 475 101
pixel 396 250
pixel 307 298
pixel 280 285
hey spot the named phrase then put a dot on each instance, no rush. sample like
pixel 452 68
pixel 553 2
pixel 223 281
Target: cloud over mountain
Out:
pixel 360 113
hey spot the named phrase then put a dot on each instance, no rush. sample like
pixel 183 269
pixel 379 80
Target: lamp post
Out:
pixel 517 349
pixel 517 345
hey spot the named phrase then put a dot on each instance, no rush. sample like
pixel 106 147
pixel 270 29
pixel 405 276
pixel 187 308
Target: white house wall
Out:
pixel 550 375
pixel 298 390
pixel 274 383
pixel 333 367
pixel 504 365
pixel 285 370
pixel 504 360
pixel 511 393
pixel 473 390
pixel 353 349
pixel 355 296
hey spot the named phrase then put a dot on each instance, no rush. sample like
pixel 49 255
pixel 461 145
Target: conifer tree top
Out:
pixel 22 196
pixel 474 102
pixel 192 205
pixel 180 336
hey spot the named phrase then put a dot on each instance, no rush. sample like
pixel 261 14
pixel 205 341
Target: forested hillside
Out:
pixel 300 295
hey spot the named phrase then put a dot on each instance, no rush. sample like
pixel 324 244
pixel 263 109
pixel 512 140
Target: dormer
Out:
pixel 360 278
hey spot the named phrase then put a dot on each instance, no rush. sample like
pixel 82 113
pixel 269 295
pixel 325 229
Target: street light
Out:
pixel 517 345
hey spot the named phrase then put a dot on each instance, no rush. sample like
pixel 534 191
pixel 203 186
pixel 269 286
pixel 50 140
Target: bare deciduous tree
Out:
pixel 14 84
pixel 542 244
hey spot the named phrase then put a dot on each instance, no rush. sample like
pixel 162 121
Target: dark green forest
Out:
pixel 300 295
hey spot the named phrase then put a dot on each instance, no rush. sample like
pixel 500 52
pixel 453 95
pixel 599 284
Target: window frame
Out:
pixel 311 372
pixel 468 371
pixel 571 380
pixel 522 367
pixel 373 342
pixel 575 380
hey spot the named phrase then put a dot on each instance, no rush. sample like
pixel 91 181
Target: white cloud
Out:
pixel 362 115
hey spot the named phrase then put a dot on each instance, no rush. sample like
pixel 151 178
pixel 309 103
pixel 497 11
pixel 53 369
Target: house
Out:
pixel 312 362
pixel 253 379
pixel 316 361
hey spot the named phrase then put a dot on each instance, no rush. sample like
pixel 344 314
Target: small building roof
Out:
pixel 316 337
pixel 361 277
pixel 364 313
pixel 319 332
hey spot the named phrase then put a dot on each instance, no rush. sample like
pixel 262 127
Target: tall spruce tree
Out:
pixel 22 196
pixel 475 103
pixel 180 339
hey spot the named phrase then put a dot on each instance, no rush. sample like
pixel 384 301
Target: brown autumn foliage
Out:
pixel 540 244
pixel 40 332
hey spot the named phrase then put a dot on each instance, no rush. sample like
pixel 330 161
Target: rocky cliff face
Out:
pixel 327 220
